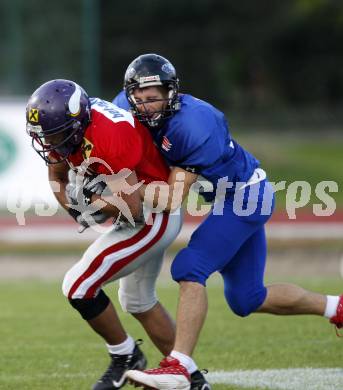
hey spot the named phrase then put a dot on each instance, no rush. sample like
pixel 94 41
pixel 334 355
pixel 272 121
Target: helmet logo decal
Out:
pixel 86 147
pixel 131 73
pixel 33 115
pixel 74 101
pixel 168 68
pixel 149 79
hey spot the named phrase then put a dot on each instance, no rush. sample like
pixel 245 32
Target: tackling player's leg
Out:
pixel 212 246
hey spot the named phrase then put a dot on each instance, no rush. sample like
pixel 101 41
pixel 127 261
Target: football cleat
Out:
pixel 198 381
pixel 337 319
pixel 114 377
pixel 171 375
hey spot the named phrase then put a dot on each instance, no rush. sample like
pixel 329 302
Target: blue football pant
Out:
pixel 235 246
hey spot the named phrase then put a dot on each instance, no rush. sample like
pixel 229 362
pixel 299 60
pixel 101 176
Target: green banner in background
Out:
pixel 8 151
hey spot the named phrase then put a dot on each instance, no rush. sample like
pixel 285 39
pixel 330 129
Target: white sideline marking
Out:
pixel 283 379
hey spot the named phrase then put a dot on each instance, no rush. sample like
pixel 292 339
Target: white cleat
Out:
pixel 171 375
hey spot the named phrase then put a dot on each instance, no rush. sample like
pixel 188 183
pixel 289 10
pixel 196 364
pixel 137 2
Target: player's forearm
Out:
pixel 179 184
pixel 58 187
pixel 61 197
pixel 163 197
pixel 110 206
pixel 58 180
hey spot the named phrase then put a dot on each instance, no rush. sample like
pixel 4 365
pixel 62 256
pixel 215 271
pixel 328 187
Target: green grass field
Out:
pixel 46 345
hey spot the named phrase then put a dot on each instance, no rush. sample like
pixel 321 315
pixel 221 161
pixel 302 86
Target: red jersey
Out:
pixel 121 141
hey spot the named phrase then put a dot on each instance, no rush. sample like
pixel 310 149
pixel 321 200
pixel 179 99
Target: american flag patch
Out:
pixel 166 144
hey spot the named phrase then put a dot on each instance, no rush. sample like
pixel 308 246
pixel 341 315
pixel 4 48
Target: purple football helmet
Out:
pixel 57 115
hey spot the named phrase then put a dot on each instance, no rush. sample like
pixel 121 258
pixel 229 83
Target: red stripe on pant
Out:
pixel 118 265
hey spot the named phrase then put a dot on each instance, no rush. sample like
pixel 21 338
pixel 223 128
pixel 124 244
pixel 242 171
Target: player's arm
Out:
pixel 58 180
pixel 179 182
pixel 125 197
pixel 173 193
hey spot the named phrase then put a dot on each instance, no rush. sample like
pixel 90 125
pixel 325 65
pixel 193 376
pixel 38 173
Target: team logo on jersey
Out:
pixel 86 148
pixel 33 115
pixel 166 144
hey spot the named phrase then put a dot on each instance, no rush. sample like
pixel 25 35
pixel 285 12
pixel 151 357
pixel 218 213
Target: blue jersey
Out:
pixel 197 139
pixel 121 101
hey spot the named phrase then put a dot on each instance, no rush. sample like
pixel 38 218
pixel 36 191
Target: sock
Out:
pixel 124 348
pixel 185 360
pixel 331 306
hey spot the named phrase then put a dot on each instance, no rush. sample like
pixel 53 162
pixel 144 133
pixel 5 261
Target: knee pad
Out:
pixel 91 308
pixel 243 304
pixel 139 303
pixel 189 265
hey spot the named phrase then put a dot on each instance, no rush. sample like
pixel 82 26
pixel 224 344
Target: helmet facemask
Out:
pixel 63 140
pixel 154 119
